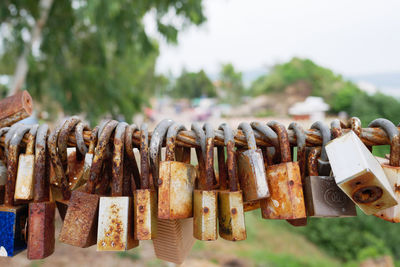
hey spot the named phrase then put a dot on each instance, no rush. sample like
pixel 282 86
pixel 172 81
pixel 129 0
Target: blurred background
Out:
pixel 203 60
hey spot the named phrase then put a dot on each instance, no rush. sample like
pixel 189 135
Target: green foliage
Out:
pixel 131 255
pixel 231 84
pixel 193 85
pixel 95 56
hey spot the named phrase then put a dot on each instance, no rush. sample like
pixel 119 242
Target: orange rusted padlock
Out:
pixel 391 167
pixel 174 238
pixel 205 199
pixel 26 164
pixel 251 168
pixel 284 180
pixel 115 228
pixel 230 203
pixel 80 224
pixel 145 199
pixel 175 183
pixel 13 217
pixel 41 229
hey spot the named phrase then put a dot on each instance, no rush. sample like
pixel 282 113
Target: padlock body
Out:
pixel 174 239
pixel 231 216
pixel 3 173
pixel 358 173
pixel 205 215
pixel 175 190
pixel 12 225
pixel 391 214
pixel 252 175
pixel 325 199
pixel 145 214
pixel 115 229
pixel 80 223
pixel 24 182
pixel 286 199
pixel 251 205
pixel 75 169
pixel 41 230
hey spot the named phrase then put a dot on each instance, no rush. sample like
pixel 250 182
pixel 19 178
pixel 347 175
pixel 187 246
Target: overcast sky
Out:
pixel 350 36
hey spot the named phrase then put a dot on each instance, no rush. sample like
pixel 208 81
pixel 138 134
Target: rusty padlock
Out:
pixel 3 168
pixel 205 199
pixel 391 167
pixel 286 199
pixel 132 166
pixel 302 161
pixel 41 227
pixel 115 228
pixel 80 224
pixel 26 164
pixel 174 238
pixel 13 218
pixel 230 203
pixel 251 168
pixel 175 183
pixel 322 195
pixel 358 173
pixel 145 198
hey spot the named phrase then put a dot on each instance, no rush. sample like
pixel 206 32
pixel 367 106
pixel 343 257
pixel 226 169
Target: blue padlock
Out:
pixel 12 217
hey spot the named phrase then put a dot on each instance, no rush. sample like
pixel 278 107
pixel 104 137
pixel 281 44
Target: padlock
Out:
pixel 26 164
pixel 322 195
pixel 174 238
pixel 13 218
pixel 286 199
pixel 132 165
pixel 80 224
pixel 175 183
pixel 41 227
pixel 115 228
pixel 391 167
pixel 3 167
pixel 358 173
pixel 251 168
pixel 230 203
pixel 145 198
pixel 205 199
pixel 301 159
pixel 15 108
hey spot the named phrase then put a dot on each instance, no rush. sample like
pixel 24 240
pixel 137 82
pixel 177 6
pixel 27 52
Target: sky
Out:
pixel 351 37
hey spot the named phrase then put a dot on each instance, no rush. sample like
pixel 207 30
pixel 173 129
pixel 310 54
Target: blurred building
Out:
pixel 312 108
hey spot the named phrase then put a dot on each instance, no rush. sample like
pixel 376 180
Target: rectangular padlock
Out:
pixel 145 198
pixel 359 174
pixel 26 164
pixel 252 175
pixel 286 200
pixel 3 179
pixel 41 227
pixel 322 195
pixel 13 218
pixel 115 227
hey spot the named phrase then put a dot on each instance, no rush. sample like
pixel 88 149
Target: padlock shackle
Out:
pixel 117 181
pixel 301 146
pixel 80 142
pixel 267 133
pixel 249 134
pixel 3 131
pixel 62 139
pixel 326 137
pixel 12 163
pixel 336 129
pixel 41 191
pixel 173 131
pixel 144 157
pixel 132 164
pixel 155 147
pixel 355 125
pixel 312 161
pixel 99 156
pixel 284 145
pixel 9 135
pixel 209 159
pixel 93 140
pixel 30 146
pixel 231 157
pixel 394 136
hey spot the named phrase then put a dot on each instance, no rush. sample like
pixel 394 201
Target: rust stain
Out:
pixel 113 235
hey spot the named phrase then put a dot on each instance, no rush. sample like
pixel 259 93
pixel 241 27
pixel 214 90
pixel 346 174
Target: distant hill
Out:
pixel 387 83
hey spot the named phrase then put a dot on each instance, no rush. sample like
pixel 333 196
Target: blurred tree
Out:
pixel 231 84
pixel 91 56
pixel 193 85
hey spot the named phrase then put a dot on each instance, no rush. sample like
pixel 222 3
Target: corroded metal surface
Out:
pixel 80 223
pixel 205 215
pixel 15 108
pixel 231 216
pixel 145 214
